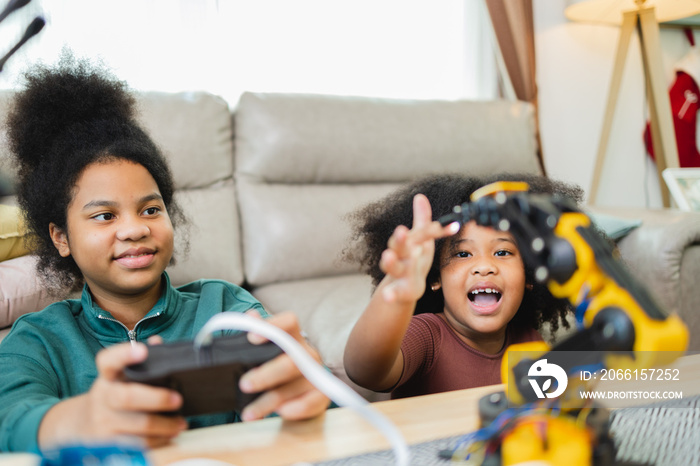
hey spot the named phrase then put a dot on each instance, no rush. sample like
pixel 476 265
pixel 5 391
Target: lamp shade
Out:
pixel 610 11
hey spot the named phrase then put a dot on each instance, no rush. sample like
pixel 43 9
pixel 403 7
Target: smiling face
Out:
pixel 119 232
pixel 482 277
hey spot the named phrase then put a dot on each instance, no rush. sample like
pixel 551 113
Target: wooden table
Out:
pixel 341 432
pixel 338 433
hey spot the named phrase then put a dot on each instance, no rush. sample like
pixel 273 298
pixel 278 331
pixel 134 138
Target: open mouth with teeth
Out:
pixel 484 296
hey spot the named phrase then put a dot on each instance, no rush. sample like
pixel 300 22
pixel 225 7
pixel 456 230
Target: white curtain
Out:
pixel 388 48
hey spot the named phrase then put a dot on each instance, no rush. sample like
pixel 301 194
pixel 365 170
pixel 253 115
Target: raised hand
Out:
pixel 409 253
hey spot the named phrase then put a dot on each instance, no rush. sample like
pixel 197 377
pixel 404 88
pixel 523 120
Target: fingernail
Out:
pixel 255 339
pixel 138 350
pixel 453 227
pixel 253 312
pixel 246 385
pixel 175 399
pixel 248 415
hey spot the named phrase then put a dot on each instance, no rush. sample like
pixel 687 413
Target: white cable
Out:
pixel 330 385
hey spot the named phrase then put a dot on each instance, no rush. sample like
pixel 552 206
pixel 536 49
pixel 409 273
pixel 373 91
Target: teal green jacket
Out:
pixel 50 355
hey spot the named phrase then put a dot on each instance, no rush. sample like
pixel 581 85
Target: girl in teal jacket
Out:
pixel 98 196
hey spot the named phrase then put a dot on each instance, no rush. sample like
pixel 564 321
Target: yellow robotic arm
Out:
pixel 621 321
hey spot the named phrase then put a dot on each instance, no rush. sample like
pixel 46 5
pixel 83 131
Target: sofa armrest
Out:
pixel 21 290
pixel 663 253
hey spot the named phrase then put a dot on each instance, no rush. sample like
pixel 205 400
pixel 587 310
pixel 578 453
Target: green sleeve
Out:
pixel 26 394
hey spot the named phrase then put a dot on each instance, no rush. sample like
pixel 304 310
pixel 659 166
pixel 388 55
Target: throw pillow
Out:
pixel 12 233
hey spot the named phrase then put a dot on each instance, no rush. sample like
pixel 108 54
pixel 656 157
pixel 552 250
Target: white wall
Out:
pixel 574 69
pixel 391 48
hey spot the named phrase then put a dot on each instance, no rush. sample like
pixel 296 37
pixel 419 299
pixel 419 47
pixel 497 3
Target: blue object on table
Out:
pixel 110 455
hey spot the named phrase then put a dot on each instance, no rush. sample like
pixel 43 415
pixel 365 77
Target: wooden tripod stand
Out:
pixel 661 122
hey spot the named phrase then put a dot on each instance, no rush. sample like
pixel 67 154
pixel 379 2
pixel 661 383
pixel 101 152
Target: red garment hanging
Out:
pixel 684 94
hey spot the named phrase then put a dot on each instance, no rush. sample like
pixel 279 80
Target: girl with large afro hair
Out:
pixel 68 117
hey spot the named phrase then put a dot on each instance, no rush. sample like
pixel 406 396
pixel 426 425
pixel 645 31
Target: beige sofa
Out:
pixel 267 186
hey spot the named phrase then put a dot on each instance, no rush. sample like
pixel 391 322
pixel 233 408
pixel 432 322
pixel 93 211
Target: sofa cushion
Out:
pixel 213 233
pixel 293 232
pixel 12 233
pixel 21 290
pixel 194 130
pixel 298 138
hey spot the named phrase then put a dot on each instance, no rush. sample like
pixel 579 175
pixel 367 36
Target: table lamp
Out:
pixel 644 15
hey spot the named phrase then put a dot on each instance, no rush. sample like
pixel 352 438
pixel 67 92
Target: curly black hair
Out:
pixel 373 225
pixel 68 117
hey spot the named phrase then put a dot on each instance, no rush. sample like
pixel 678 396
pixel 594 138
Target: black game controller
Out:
pixel 206 378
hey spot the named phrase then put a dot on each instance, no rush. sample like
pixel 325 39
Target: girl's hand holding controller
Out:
pixel 409 254
pixel 116 409
pixel 286 391
pixel 113 408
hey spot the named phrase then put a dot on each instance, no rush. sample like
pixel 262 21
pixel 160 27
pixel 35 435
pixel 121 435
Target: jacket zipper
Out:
pixel 131 333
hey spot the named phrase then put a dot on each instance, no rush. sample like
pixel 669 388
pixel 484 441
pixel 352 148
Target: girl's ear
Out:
pixel 60 240
pixel 435 286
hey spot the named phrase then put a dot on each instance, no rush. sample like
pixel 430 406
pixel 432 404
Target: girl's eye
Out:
pixel 503 253
pixel 463 254
pixel 104 217
pixel 151 211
